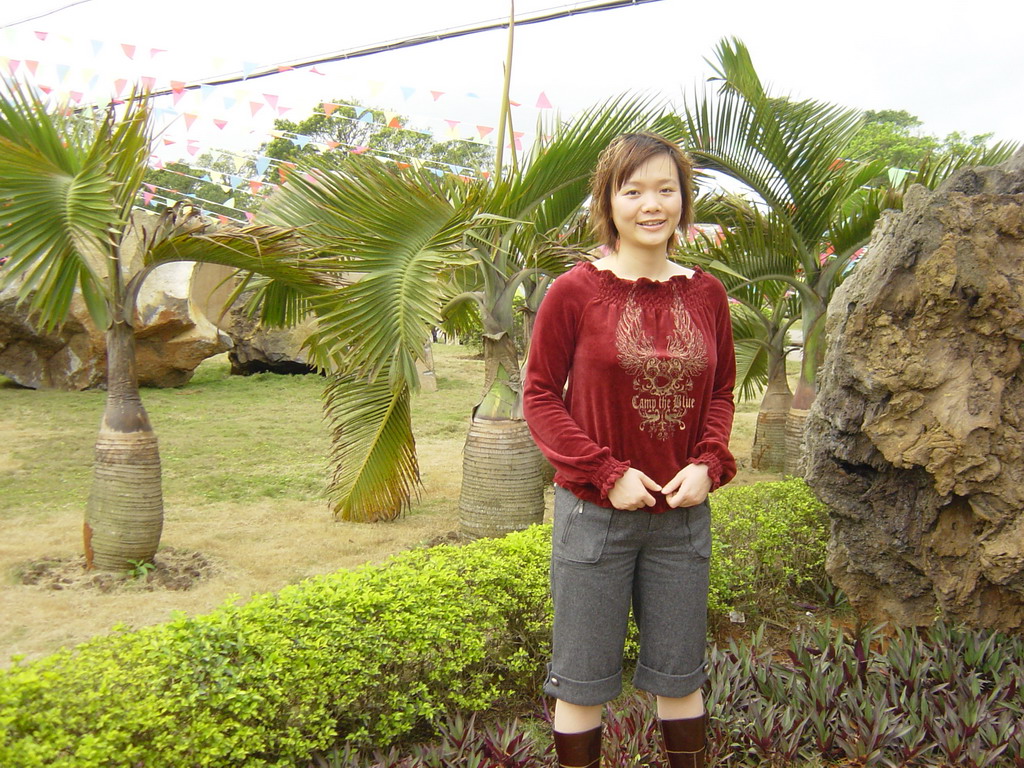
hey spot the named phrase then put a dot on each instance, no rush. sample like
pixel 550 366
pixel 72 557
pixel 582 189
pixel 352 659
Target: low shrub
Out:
pixel 363 657
pixel 769 543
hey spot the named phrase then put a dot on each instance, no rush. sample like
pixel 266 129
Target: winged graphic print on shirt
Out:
pixel 662 380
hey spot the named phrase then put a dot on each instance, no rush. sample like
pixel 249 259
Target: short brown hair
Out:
pixel 617 163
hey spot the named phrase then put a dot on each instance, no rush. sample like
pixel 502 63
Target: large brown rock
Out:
pixel 172 338
pixel 254 349
pixel 916 438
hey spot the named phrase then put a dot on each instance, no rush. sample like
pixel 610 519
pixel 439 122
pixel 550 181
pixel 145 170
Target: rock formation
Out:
pixel 916 438
pixel 172 339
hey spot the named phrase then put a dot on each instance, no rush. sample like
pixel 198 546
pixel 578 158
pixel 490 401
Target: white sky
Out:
pixel 956 65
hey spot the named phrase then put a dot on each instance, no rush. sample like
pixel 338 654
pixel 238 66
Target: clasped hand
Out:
pixel 688 488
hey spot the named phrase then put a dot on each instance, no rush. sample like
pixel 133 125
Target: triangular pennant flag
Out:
pixel 376 86
pixel 32 65
pixel 282 110
pixel 150 187
pixel 262 163
pixel 518 135
pixel 271 99
pixel 154 51
pixel 300 140
pixel 158 164
pixel 315 71
pixel 514 103
pixel 437 94
pixel 229 102
pixel 76 96
pixel 93 81
pixel 407 92
pixel 148 83
pixel 223 219
pixel 249 215
pixel 359 150
pixel 192 147
pixel 129 50
pixel 472 96
pixel 119 85
pixel 333 144
pixel 255 106
pixel 483 130
pixel 366 117
pixel 329 108
pixel 220 123
pixel 285 68
pixel 12 64
pixel 207 177
pixel 229 203
pixel 62 72
pixel 255 187
pixel 168 142
pixel 176 97
pixel 41 35
pixel 452 123
pixel 277 134
pixel 394 122
pixel 46 89
pixel 190 117
pixel 147 198
pixel 542 101
pixel 248 68
pixel 206 91
pixel 97 46
pixel 225 189
pixel 178 86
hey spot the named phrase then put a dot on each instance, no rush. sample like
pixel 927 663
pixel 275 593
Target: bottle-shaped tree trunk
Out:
pixel 125 513
pixel 502 481
pixel 768 453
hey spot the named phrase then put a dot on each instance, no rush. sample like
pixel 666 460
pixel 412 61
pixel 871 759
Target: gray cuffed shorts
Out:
pixel 604 559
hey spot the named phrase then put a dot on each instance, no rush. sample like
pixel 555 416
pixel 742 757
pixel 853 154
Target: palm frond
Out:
pixel 373 450
pixel 57 210
pixel 399 235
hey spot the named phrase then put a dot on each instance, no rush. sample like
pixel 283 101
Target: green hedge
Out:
pixel 364 655
pixel 769 545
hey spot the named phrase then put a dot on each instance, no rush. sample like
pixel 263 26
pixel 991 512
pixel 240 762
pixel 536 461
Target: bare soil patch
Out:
pixel 171 569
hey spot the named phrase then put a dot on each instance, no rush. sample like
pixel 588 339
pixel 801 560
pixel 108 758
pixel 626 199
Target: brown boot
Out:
pixel 685 741
pixel 579 750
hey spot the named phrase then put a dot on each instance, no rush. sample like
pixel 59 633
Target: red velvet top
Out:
pixel 650 370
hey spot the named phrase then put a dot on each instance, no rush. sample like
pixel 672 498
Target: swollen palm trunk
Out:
pixel 124 518
pixel 795 423
pixel 768 452
pixel 502 481
pixel 502 471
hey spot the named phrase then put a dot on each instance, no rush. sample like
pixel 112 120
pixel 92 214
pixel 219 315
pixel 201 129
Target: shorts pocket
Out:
pixel 580 528
pixel 698 523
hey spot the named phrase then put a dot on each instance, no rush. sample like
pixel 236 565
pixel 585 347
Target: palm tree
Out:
pixel 427 248
pixel 808 202
pixel 813 208
pixel 68 184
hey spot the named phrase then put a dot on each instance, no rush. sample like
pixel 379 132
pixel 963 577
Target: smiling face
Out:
pixel 647 208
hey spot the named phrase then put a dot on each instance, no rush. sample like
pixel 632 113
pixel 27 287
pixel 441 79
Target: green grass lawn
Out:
pixel 234 439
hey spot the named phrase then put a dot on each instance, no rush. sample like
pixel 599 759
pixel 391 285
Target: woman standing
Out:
pixel 629 395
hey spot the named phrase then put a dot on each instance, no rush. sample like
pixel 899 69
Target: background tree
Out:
pixel 68 185
pixel 352 126
pixel 208 184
